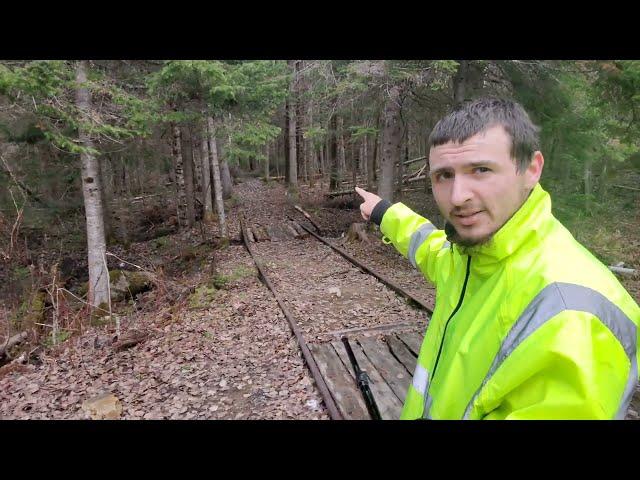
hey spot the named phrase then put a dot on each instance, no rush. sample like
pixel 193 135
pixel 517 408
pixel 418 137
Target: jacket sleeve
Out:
pixel 571 367
pixel 416 238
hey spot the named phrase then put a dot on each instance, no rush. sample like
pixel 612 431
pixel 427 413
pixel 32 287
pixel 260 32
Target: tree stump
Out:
pixel 358 231
pixel 260 234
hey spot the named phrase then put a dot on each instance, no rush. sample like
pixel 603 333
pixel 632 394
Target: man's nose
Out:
pixel 460 191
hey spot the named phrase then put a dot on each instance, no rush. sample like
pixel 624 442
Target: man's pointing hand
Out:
pixel 370 201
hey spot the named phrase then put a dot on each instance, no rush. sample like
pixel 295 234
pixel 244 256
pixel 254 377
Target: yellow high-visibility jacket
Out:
pixel 528 326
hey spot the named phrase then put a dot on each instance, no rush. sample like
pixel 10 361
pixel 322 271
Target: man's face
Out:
pixel 476 185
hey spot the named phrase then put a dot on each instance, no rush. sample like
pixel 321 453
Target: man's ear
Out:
pixel 534 170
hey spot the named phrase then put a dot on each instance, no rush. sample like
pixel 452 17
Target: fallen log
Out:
pixel 350 191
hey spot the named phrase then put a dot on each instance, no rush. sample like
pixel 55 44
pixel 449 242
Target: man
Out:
pixel 527 323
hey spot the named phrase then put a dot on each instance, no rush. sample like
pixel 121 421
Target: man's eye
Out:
pixel 444 176
pixel 481 170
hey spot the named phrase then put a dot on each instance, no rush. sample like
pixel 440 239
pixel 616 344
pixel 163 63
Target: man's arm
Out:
pixel 571 367
pixel 414 236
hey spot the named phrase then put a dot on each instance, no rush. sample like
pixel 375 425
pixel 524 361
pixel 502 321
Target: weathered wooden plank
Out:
pixel 388 404
pixel 412 340
pixel 393 372
pixel 342 387
pixel 365 330
pixel 402 353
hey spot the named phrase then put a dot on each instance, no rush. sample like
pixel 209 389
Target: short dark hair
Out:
pixel 481 114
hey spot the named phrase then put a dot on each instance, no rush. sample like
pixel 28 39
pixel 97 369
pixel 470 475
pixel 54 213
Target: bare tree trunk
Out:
pixel 266 163
pixel 342 167
pixel 180 183
pixel 327 153
pixel 225 173
pixel 300 151
pixel 364 162
pixel 460 80
pixel 311 161
pixel 401 164
pixel 334 177
pixel 196 149
pixel 188 175
pixel 391 139
pixel 123 177
pixel 217 183
pixel 287 136
pixel 106 199
pixel 277 157
pixel 206 177
pixel 98 292
pixel 372 177
pixel 313 164
pixel 126 176
pixel 293 160
pixel 141 167
pixel 355 157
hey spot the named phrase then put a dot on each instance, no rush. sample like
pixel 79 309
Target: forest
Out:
pixel 143 201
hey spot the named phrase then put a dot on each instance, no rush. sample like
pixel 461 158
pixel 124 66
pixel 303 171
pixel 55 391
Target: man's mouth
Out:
pixel 468 218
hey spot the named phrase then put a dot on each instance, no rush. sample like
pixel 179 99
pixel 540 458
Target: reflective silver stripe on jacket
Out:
pixel 420 379
pixel 417 238
pixel 421 383
pixel 552 300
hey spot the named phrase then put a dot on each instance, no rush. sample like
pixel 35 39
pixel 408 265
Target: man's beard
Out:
pixel 454 237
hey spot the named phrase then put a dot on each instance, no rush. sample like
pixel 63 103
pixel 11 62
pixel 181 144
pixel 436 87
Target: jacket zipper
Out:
pixel 464 288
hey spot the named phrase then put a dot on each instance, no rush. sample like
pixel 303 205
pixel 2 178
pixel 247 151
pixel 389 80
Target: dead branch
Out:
pixel 627 188
pixel 622 270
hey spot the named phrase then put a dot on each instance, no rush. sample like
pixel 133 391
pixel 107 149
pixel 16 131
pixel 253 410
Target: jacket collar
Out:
pixel 531 223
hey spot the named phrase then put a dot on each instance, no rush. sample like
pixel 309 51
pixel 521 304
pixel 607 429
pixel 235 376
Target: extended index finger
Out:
pixel 361 192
